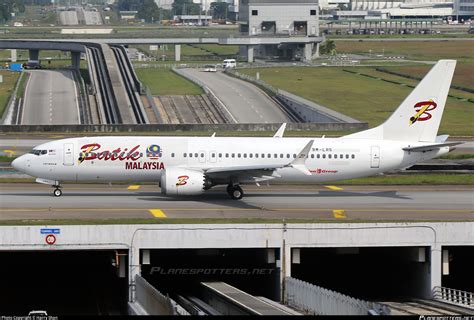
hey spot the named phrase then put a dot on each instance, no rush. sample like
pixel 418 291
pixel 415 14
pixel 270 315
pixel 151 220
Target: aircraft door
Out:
pixel 374 156
pixel 68 154
pixel 202 156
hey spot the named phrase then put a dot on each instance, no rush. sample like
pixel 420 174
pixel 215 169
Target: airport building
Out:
pixel 277 18
pixel 398 9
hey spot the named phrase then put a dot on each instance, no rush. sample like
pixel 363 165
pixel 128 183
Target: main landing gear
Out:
pixel 57 191
pixel 235 191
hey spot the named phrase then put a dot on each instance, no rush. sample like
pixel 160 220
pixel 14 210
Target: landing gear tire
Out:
pixel 57 192
pixel 235 192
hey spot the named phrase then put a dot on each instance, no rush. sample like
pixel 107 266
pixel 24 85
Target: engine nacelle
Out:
pixel 180 181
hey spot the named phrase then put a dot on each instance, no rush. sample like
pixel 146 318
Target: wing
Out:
pixel 430 147
pixel 256 173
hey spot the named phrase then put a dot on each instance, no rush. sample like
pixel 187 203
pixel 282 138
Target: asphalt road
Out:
pixel 246 103
pixel 50 98
pixel 33 201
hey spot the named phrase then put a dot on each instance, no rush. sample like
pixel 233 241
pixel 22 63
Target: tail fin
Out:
pixel 419 115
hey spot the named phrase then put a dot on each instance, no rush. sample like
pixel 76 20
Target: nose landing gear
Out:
pixel 235 192
pixel 57 192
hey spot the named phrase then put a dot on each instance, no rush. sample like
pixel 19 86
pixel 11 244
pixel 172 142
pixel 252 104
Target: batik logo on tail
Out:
pixel 422 109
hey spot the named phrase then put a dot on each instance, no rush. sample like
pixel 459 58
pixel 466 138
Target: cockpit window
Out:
pixel 38 152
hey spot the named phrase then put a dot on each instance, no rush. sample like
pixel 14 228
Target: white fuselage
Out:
pixel 131 159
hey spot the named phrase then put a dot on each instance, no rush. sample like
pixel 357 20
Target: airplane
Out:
pixel 193 165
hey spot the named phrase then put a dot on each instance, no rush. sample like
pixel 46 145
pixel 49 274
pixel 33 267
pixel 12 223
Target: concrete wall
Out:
pixel 284 15
pixel 284 236
pixel 267 127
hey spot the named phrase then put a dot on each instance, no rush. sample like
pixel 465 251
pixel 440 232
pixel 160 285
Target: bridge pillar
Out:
pixel 33 54
pixel 133 270
pixel 13 55
pixel 76 60
pixel 177 52
pixel 250 54
pixel 436 263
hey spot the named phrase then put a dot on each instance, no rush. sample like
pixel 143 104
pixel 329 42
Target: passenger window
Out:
pixel 172 155
pixel 184 155
pixel 226 155
pixel 195 155
pixel 269 155
pixel 318 156
pixel 213 155
pixel 250 155
pixel 220 155
pixel 281 155
pixel 330 156
pixel 276 156
pixel 263 155
pixel 190 155
pixel 245 155
pixel 312 156
pixel 202 155
pixel 238 155
pixel 256 155
pixel 324 156
pixel 294 155
pixel 335 156
pixel 233 155
pixel 341 156
pixel 353 156
pixel 347 156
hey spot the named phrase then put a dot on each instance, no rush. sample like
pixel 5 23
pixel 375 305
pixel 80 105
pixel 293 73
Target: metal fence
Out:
pixel 311 299
pixel 454 296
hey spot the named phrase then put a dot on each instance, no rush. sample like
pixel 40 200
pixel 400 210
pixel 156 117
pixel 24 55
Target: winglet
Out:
pixel 300 162
pixel 213 135
pixel 280 132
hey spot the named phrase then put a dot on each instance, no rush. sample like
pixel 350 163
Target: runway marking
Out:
pixel 133 187
pixel 334 188
pixel 11 152
pixel 157 213
pixel 237 209
pixel 339 214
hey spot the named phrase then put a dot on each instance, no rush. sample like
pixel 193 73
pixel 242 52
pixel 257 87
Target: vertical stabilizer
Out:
pixel 419 116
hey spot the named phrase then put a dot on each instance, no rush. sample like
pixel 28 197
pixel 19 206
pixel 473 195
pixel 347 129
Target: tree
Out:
pixel 219 10
pixel 7 7
pixel 328 47
pixel 183 7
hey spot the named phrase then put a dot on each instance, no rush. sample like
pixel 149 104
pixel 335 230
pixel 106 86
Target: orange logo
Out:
pixel 422 109
pixel 182 180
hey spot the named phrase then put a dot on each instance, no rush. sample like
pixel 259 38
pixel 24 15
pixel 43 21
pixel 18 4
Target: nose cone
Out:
pixel 19 163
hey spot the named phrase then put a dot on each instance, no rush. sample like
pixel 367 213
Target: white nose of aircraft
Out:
pixel 19 163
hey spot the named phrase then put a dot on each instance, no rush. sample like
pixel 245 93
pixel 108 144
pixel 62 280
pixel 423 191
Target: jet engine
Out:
pixel 180 181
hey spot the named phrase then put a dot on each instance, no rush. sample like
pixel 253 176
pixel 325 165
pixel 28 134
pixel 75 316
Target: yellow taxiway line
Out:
pixel 133 187
pixel 334 188
pixel 157 213
pixel 339 214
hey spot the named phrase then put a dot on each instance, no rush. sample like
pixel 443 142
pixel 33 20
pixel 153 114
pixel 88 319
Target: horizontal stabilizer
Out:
pixel 430 147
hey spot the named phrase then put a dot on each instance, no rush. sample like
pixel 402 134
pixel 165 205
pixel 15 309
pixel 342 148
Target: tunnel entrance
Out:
pixel 62 283
pixel 366 273
pixel 181 271
pixel 457 268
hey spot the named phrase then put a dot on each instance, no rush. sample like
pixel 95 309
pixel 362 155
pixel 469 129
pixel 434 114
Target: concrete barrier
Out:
pixel 117 128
